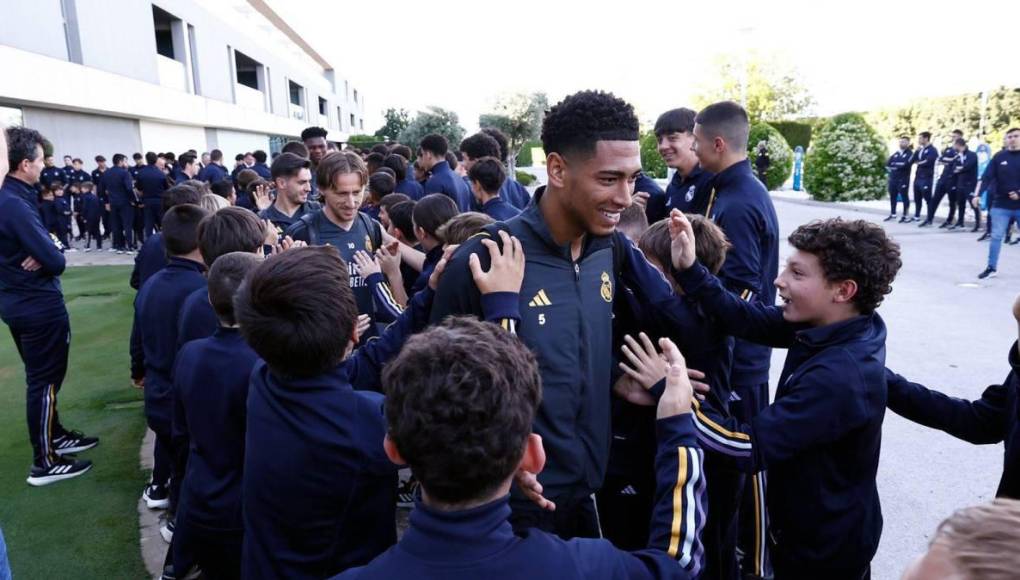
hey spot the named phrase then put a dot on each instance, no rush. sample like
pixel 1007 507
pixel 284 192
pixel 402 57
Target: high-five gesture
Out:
pixel 676 399
pixel 682 235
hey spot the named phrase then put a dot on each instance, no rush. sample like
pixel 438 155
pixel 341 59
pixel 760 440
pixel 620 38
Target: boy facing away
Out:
pixel 820 439
pixel 461 400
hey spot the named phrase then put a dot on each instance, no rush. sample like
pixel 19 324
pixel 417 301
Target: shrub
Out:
pixel 524 158
pixel 795 132
pixel 651 161
pixel 525 179
pixel 780 154
pixel 846 161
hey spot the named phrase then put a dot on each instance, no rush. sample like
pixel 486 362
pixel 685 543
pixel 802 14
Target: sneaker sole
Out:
pixel 166 534
pixel 48 479
pixel 156 504
pixel 79 449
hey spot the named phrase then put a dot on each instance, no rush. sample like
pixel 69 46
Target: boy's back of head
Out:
pixel 710 242
pixel 488 172
pixel 975 543
pixel 181 194
pixel 633 222
pixel 402 217
pixel 232 229
pixel 225 277
pixel 460 400
pixel 855 250
pixel 380 185
pixel 297 311
pixel 463 226
pixel 180 229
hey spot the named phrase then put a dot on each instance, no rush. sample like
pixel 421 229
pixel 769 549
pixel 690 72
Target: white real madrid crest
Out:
pixel 607 287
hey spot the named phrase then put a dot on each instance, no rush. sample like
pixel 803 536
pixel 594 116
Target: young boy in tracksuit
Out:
pixel 627 497
pixel 210 407
pixel 64 213
pixel 92 214
pixel 820 439
pixel 460 401
pixel 157 309
pixel 994 418
pixel 318 491
pixel 232 229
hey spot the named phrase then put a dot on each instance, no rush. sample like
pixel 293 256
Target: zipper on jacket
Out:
pixel 577 272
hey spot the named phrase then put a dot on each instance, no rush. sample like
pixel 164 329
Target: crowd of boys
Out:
pixel 576 378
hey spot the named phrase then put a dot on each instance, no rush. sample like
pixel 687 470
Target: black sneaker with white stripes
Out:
pixel 156 497
pixel 66 468
pixel 74 442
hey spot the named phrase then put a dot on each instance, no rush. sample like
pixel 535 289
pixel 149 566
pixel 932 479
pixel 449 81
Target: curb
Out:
pixel 151 542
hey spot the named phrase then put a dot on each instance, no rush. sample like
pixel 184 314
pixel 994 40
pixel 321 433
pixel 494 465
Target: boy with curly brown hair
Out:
pixel 821 437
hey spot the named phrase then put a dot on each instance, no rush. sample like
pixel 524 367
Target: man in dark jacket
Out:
pixel 116 183
pixel 32 306
pixel 945 184
pixel 898 167
pixel 924 159
pixel 151 181
pixel 567 300
pixel 432 158
pixel 965 175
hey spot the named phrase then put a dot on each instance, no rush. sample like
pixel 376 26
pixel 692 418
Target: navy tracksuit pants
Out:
pixel 43 345
pixel 123 218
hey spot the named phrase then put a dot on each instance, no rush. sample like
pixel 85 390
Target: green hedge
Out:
pixel 795 132
pixel 651 161
pixel 780 154
pixel 525 178
pixel 524 157
pixel 846 161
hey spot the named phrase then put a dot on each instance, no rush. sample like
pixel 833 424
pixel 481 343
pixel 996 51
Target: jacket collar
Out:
pixel 533 218
pixel 441 167
pixel 866 326
pixel 185 264
pixel 739 171
pixel 21 189
pixel 466 535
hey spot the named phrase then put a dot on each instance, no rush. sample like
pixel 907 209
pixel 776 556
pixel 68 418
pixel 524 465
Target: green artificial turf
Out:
pixel 85 527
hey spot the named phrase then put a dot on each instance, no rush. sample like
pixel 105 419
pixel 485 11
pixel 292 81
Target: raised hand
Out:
pixel 367 265
pixel 676 399
pixel 681 233
pixel 506 271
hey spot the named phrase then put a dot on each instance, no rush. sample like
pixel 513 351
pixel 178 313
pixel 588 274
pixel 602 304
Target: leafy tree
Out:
pixel 651 162
pixel 434 120
pixel 846 161
pixel 519 116
pixel 774 90
pixel 396 121
pixel 944 114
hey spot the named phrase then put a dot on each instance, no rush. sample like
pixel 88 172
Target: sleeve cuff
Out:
pixel 374 278
pixel 498 305
pixel 676 431
pixel 693 278
pixel 658 389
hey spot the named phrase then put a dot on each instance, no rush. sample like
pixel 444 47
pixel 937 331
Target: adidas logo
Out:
pixel 629 490
pixel 540 299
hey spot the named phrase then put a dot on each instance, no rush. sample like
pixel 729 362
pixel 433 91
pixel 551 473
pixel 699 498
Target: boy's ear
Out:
pixel 846 290
pixel 391 451
pixel 534 454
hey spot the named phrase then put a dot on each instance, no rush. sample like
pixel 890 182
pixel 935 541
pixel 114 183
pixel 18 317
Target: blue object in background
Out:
pixel 798 167
pixel 984 155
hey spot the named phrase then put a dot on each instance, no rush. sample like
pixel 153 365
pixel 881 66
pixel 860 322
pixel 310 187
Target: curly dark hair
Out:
pixel 855 250
pixel 460 401
pixel 502 140
pixel 579 121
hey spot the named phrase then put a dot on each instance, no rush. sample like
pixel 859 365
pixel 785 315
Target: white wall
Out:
pixel 83 135
pixel 35 26
pixel 233 142
pixel 161 137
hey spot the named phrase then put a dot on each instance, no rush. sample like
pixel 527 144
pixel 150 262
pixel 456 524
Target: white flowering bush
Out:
pixel 780 154
pixel 846 161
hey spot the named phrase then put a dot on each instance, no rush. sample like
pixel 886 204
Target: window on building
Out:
pixel 355 95
pixel 69 10
pixel 193 46
pixel 11 116
pixel 163 22
pixel 323 106
pixel 361 124
pixel 352 120
pixel 339 118
pixel 295 93
pixel 247 70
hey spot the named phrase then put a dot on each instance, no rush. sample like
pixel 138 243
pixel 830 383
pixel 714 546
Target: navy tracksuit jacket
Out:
pixel 444 180
pixel 514 193
pixel 319 493
pixel 819 440
pixel 992 419
pixel 410 187
pixel 498 209
pixel 691 194
pixel 480 543
pixel 211 378
pixel 213 173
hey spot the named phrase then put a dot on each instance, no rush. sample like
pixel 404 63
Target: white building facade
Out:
pixel 124 76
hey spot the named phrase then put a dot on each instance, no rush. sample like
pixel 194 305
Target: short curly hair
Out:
pixel 855 250
pixel 460 401
pixel 480 145
pixel 578 122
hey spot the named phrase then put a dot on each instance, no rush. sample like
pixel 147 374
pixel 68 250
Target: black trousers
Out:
pixel 898 191
pixel 151 211
pixel 942 188
pixel 922 193
pixel 573 518
pixel 43 345
pixel 753 521
pixel 123 218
